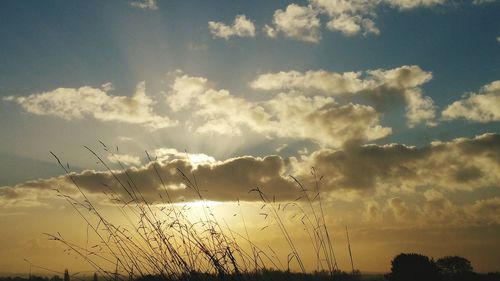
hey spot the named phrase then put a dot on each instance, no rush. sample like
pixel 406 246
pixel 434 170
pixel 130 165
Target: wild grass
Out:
pixel 161 242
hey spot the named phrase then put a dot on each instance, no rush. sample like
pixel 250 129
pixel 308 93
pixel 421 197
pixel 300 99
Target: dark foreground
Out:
pixel 272 276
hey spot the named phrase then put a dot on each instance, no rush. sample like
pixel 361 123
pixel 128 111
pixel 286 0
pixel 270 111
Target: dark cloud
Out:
pixel 464 164
pixel 223 181
pixel 459 164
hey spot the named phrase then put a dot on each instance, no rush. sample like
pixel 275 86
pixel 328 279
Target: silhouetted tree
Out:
pixel 413 267
pixel 454 268
pixel 95 277
pixel 66 275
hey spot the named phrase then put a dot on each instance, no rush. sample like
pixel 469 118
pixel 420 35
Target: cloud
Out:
pixel 281 147
pixel 169 154
pixel 333 83
pixel 242 27
pixel 303 23
pixel 145 4
pixel 357 16
pixel 36 193
pixel 348 17
pixel 221 181
pixel 352 25
pixel 77 103
pixel 460 164
pixel 319 119
pixel 311 82
pixel 184 90
pixel 419 108
pixel 478 107
pixel 438 209
pixel 324 121
pixel 379 85
pixel 373 211
pixel 125 159
pixel 412 4
pixel 382 186
pixel 399 209
pixel 297 22
pixel 486 211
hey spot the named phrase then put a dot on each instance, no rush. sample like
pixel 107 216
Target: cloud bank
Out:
pixel 459 164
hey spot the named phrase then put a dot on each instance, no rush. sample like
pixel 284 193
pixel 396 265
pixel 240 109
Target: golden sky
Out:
pixel 394 103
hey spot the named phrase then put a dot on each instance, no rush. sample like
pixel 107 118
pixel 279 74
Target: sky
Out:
pixel 396 103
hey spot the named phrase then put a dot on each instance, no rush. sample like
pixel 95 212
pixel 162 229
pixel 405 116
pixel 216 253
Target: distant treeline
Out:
pixel 404 267
pixel 417 267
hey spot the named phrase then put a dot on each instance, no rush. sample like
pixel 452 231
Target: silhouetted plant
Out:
pixel 454 268
pixel 413 267
pixel 66 275
pixel 161 241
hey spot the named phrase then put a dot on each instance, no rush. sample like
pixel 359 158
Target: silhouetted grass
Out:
pixel 162 243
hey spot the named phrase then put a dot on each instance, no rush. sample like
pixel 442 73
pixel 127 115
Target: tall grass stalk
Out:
pixel 160 239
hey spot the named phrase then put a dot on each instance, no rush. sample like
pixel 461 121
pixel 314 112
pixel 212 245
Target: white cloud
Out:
pixel 107 87
pixel 319 119
pixel 323 120
pixel 403 77
pixel 297 22
pixel 333 83
pixel 184 90
pixel 269 31
pixel 169 154
pixel 341 7
pixel 125 159
pixel 226 114
pixel 420 109
pixel 77 103
pixel 479 107
pixel 352 25
pixel 145 4
pixel 412 4
pixel 348 17
pixel 242 27
pixel 378 84
pixel 330 83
